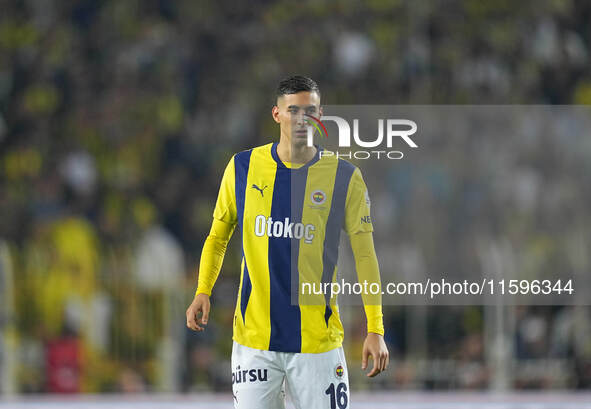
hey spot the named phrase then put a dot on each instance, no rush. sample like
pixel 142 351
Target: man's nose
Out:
pixel 300 118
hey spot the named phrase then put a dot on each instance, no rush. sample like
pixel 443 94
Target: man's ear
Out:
pixel 275 113
pixel 320 112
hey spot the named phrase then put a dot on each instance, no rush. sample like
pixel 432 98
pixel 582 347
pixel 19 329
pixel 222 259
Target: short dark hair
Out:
pixel 295 84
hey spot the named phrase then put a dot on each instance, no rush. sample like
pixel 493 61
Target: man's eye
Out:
pixel 292 111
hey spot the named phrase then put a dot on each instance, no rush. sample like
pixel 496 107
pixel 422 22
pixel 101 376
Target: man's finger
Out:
pixel 205 315
pixel 188 313
pixel 191 320
pixel 384 363
pixel 376 369
pixel 364 357
pixel 193 325
pixel 196 320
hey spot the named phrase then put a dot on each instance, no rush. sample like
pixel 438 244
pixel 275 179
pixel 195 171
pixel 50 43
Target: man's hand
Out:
pixel 200 304
pixel 375 347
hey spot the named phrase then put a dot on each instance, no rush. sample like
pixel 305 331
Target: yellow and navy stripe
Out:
pixel 241 165
pixel 333 227
pixel 269 314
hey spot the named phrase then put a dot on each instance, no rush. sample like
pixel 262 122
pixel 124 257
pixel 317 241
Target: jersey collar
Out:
pixel 306 165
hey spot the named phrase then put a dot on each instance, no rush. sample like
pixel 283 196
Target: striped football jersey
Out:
pixel 290 220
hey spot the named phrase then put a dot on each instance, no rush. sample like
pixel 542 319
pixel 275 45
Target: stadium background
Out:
pixel 117 118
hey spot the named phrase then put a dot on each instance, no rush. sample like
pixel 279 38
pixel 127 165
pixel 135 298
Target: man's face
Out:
pixel 290 112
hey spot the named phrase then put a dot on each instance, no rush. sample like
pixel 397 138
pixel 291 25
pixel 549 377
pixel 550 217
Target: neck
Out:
pixel 288 152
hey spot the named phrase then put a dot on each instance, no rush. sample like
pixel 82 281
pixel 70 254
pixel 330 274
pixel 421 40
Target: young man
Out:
pixel 291 203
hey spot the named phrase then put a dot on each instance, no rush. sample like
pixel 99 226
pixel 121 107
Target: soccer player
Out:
pixel 291 203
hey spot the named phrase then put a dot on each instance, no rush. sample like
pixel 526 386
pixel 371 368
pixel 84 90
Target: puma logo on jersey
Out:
pixel 248 375
pixel 283 228
pixel 259 189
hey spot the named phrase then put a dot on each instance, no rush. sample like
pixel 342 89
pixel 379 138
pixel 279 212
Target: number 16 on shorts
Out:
pixel 338 395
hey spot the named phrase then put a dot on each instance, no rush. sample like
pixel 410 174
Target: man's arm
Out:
pixel 212 255
pixel 359 227
pixel 214 249
pixel 366 264
pixel 210 265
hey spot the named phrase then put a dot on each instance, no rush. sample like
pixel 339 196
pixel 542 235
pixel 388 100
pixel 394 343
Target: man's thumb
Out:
pixel 364 360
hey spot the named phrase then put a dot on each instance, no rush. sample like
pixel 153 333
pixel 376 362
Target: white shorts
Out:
pixel 261 379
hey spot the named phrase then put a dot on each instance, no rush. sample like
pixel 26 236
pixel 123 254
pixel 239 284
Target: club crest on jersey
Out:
pixel 318 197
pixel 339 371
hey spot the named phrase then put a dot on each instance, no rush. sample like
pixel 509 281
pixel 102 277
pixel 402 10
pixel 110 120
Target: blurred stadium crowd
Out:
pixel 117 119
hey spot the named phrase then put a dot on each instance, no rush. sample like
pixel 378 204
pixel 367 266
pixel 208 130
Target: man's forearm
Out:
pixel 212 255
pixel 366 263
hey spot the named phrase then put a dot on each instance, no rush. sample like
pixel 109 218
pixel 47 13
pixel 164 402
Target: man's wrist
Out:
pixel 208 293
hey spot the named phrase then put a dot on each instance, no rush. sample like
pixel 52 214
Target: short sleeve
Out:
pixel 357 211
pixel 225 207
